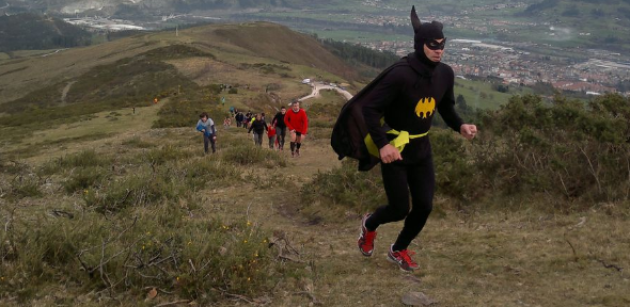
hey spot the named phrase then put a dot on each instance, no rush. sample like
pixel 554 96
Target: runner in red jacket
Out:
pixel 297 124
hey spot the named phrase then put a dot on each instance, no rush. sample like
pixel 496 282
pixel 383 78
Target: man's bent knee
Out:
pixel 399 214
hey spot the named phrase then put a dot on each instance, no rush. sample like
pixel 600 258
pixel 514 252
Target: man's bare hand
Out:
pixel 468 131
pixel 389 154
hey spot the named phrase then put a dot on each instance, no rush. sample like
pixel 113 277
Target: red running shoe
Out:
pixel 403 259
pixel 366 238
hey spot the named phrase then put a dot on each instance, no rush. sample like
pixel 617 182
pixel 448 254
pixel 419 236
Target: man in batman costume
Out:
pixel 388 121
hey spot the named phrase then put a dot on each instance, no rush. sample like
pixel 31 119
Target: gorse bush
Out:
pixel 453 167
pixel 566 149
pixel 346 187
pixel 565 152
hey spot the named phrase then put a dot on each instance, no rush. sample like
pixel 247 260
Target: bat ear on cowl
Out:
pixel 438 25
pixel 415 21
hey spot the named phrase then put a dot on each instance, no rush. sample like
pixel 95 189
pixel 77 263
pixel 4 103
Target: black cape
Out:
pixel 349 132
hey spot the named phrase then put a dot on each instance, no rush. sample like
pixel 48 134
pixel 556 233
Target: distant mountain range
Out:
pixel 31 31
pixel 113 7
pixel 592 24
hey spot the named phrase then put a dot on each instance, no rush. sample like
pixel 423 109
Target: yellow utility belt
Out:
pixel 402 139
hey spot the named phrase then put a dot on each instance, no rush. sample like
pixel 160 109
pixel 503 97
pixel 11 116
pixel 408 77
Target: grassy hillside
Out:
pixel 66 87
pixel 233 47
pixel 269 41
pixel 142 217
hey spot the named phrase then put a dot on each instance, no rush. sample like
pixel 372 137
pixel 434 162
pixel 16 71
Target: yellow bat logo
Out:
pixel 425 107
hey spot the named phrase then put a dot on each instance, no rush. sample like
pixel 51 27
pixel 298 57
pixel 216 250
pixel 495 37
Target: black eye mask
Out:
pixel 435 45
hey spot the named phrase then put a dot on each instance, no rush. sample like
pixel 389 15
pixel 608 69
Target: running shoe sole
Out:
pixel 399 263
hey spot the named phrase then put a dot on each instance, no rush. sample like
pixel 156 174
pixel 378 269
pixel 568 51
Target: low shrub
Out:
pixel 134 191
pixel 84 179
pixel 321 123
pixel 326 109
pixel 319 133
pixel 166 153
pixel 249 155
pixel 26 186
pixel 205 173
pixel 184 111
pixel 137 142
pixel 13 167
pixel 86 158
pixel 163 248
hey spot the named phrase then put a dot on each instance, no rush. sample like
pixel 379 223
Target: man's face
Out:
pixel 296 106
pixel 204 119
pixel 435 49
pixel 283 110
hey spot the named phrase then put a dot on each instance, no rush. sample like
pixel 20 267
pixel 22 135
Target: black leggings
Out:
pixel 399 180
pixel 281 132
pixel 206 140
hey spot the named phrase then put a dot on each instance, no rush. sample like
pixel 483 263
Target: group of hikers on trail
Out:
pixel 295 121
pixel 388 122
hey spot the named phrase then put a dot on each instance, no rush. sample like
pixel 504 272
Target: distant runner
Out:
pixel 205 125
pixel 297 123
pixel 271 134
pixel 259 126
pixel 281 127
